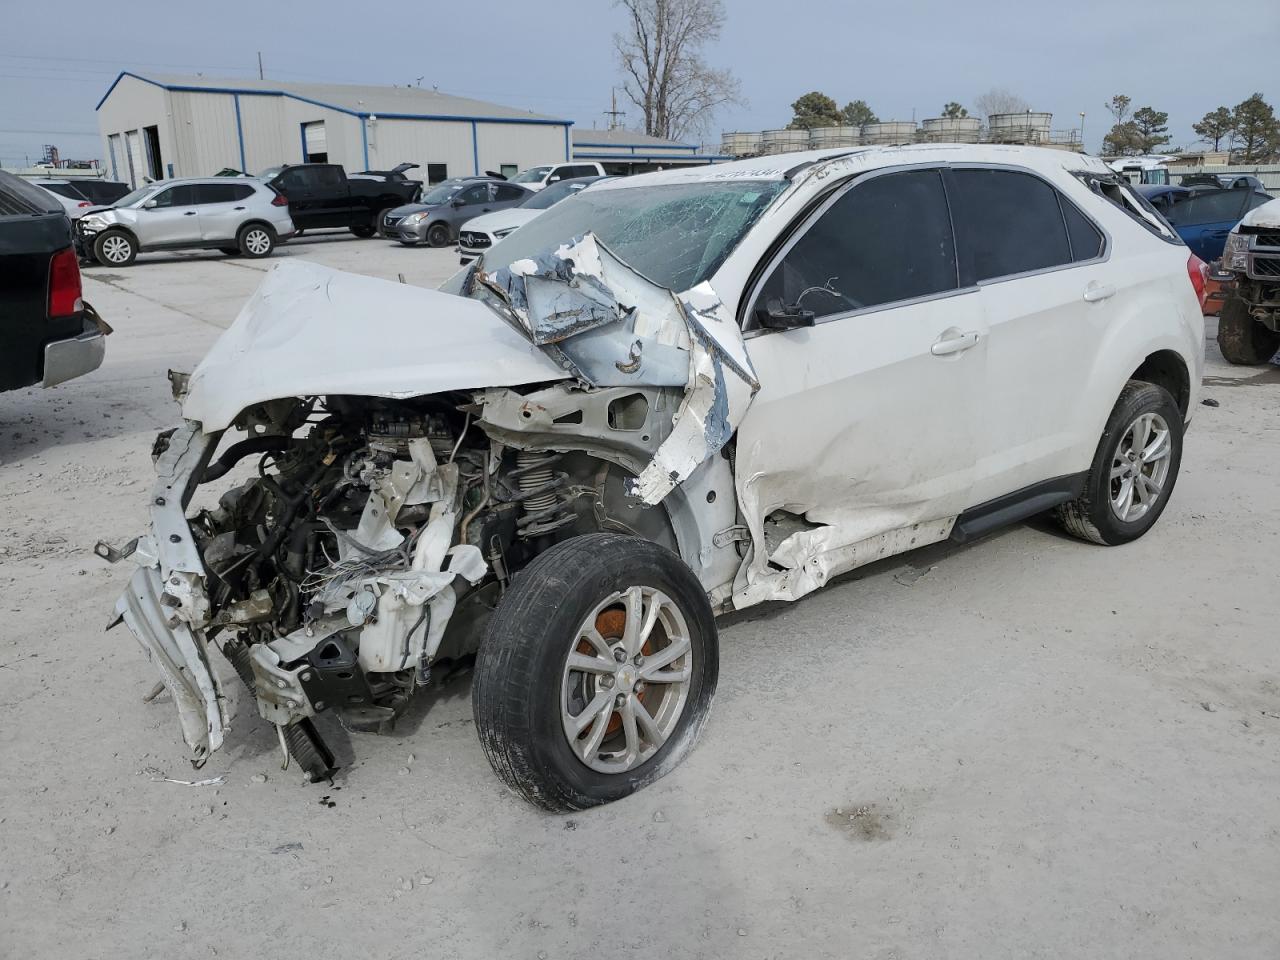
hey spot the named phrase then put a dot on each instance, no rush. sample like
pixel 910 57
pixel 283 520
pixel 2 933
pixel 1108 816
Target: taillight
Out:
pixel 280 200
pixel 1198 271
pixel 84 203
pixel 64 284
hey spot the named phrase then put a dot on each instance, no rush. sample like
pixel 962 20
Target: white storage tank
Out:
pixel 784 141
pixel 1027 127
pixel 890 132
pixel 952 129
pixel 820 138
pixel 740 144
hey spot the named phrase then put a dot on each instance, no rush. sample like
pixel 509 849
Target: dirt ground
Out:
pixel 1027 747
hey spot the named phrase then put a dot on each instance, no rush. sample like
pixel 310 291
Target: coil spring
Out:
pixel 530 479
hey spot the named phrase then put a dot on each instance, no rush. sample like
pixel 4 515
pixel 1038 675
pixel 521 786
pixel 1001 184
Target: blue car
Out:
pixel 1203 217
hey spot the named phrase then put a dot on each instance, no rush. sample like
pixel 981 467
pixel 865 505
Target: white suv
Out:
pixel 535 178
pixel 674 395
pixel 239 216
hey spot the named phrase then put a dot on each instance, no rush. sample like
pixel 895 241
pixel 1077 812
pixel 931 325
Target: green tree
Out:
pixel 857 114
pixel 1124 139
pixel 1153 128
pixel 954 111
pixel 1214 126
pixel 1118 107
pixel 1256 129
pixel 815 109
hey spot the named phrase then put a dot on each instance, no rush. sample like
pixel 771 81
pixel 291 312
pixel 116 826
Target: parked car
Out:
pixel 1203 217
pixel 73 202
pixel 240 216
pixel 322 195
pixel 1223 181
pixel 48 334
pixel 102 193
pixel 478 235
pixel 436 218
pixel 535 178
pixel 1249 324
pixel 669 396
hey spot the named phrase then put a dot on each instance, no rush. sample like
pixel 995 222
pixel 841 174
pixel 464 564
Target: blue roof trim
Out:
pixel 458 118
pixel 653 157
pixel 633 147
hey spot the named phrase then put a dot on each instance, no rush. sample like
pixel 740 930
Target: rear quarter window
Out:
pixel 21 199
pixel 1120 193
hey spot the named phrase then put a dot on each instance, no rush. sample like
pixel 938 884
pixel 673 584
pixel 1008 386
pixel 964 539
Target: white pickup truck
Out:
pixel 1249 325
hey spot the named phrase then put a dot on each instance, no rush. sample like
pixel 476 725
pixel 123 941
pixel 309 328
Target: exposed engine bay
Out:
pixel 371 542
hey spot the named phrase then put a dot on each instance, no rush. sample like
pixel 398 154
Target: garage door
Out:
pixel 137 166
pixel 314 138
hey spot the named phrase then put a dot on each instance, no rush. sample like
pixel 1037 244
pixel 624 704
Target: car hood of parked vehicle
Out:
pixel 313 331
pixel 500 220
pixel 407 208
pixel 1267 215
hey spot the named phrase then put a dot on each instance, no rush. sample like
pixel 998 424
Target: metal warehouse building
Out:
pixel 166 126
pixel 626 151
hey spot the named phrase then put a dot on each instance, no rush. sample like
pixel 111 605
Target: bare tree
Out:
pixel 999 100
pixel 661 54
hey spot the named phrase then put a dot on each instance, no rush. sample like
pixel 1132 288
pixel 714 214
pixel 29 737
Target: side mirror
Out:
pixel 150 204
pixel 457 203
pixel 775 315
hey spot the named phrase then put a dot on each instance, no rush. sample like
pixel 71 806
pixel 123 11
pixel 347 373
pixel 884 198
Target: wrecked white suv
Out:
pixel 671 396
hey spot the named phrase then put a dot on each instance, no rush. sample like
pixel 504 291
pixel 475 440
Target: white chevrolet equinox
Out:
pixel 667 397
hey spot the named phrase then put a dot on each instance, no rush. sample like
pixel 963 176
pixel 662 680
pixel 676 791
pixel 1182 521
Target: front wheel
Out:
pixel 1134 469
pixel 596 671
pixel 115 248
pixel 438 235
pixel 256 241
pixel 1242 339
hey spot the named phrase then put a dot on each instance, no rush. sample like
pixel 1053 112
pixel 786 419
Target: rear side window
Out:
pixel 222 192
pixel 64 190
pixel 19 198
pixel 1087 241
pixel 508 192
pixel 884 240
pixel 1007 223
pixel 328 177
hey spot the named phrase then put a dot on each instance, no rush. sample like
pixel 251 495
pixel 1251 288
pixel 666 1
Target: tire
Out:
pixel 438 235
pixel 256 241
pixel 409 243
pixel 364 230
pixel 525 694
pixel 382 217
pixel 1243 340
pixel 1094 516
pixel 115 248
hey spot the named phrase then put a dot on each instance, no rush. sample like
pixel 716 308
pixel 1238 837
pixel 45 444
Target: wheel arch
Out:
pixel 1167 368
pixel 120 228
pixel 255 222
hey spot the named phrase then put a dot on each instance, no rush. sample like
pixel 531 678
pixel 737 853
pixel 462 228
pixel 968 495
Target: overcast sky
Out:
pixel 903 57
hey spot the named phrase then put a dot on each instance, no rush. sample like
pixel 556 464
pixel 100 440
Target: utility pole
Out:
pixel 614 113
pixel 259 64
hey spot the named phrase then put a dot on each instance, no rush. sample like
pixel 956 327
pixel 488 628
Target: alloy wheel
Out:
pixel 116 249
pixel 626 679
pixel 257 241
pixel 1140 467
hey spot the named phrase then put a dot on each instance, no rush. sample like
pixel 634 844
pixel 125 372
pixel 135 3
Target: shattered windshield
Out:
pixel 676 234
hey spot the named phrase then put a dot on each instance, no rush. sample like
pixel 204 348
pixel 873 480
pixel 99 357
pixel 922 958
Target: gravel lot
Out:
pixel 1038 748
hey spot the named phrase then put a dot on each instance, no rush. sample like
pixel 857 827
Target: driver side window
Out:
pixel 884 240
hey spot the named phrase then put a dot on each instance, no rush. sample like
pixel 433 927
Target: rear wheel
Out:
pixel 596 671
pixel 256 241
pixel 115 248
pixel 438 235
pixel 1242 339
pixel 364 230
pixel 1134 469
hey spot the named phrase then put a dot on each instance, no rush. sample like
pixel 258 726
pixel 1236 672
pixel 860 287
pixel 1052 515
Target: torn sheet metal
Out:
pixel 612 326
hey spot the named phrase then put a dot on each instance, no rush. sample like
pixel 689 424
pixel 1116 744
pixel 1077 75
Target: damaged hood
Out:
pixel 1267 215
pixel 310 330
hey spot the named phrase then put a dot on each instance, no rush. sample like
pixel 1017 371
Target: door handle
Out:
pixel 1098 291
pixel 954 344
pixel 238 208
pixel 189 213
